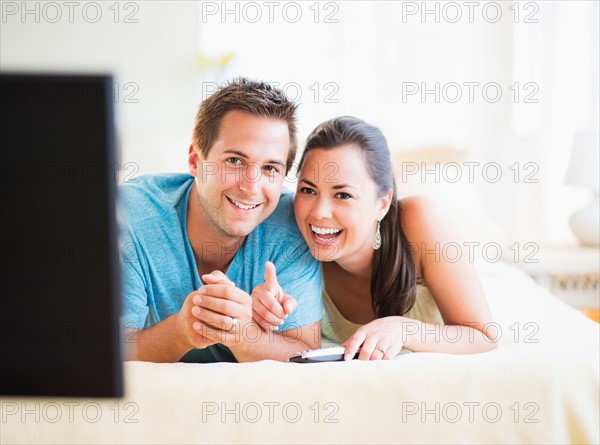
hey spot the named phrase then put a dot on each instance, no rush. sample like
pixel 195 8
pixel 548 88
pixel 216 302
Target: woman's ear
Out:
pixel 193 161
pixel 384 204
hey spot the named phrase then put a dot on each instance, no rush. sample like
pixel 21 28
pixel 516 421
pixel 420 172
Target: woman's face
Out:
pixel 336 204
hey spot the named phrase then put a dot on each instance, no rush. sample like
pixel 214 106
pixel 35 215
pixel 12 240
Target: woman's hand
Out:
pixel 270 305
pixel 380 339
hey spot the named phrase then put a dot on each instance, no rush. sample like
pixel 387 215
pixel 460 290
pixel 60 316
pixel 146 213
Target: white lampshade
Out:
pixel 584 172
pixel 584 165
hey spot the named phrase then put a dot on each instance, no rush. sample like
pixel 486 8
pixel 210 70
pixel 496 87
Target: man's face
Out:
pixel 239 182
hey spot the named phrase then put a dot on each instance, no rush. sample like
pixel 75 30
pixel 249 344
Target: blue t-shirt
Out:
pixel 160 271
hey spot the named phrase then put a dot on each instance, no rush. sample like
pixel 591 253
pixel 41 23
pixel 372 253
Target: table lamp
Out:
pixel 583 172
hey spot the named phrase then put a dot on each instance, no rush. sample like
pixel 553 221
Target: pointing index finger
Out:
pixel 271 277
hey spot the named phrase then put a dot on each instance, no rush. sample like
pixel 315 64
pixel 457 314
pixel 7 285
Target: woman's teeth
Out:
pixel 324 230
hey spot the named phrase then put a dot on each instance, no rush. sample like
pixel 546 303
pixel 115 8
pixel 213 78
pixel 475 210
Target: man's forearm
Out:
pixel 268 345
pixel 160 343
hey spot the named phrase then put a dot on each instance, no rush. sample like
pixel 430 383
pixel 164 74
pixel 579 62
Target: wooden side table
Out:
pixel 571 273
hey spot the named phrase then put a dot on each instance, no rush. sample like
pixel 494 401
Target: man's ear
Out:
pixel 193 161
pixel 384 204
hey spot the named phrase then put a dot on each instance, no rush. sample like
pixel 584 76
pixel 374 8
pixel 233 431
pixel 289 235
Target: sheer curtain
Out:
pixel 362 60
pixel 562 54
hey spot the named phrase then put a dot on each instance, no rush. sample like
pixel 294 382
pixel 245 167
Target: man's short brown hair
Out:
pixel 253 97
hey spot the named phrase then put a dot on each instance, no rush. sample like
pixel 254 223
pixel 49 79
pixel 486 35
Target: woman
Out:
pixel 386 282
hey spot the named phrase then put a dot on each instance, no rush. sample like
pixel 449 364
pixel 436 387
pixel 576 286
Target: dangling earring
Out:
pixel 377 242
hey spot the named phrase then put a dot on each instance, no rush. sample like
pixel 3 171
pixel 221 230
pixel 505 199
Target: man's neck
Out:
pixel 213 250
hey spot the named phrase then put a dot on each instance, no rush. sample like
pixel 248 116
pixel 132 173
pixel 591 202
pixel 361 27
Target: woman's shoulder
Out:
pixel 421 219
pixel 419 216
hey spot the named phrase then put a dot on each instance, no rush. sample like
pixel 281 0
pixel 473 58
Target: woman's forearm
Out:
pixel 451 339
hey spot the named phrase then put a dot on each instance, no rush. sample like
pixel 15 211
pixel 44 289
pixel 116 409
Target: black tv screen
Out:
pixel 60 282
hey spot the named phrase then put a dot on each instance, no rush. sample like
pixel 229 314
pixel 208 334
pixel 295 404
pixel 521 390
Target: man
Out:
pixel 194 247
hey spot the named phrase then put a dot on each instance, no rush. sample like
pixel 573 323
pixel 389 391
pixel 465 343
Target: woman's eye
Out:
pixel 343 195
pixel 307 191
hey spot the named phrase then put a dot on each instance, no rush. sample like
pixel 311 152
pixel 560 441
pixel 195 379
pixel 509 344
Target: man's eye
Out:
pixel 271 169
pixel 343 195
pixel 234 161
pixel 307 191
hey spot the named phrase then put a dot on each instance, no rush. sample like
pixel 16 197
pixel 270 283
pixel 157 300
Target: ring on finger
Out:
pixel 380 348
pixel 234 323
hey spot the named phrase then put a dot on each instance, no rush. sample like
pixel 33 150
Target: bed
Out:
pixel 541 385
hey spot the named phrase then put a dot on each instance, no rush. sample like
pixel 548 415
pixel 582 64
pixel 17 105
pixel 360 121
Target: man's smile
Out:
pixel 243 206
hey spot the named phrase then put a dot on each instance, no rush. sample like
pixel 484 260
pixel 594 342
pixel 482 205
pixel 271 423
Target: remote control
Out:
pixel 330 354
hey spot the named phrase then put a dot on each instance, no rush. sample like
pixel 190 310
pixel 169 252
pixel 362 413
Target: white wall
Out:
pixel 369 54
pixel 541 55
pixel 362 59
pixel 153 61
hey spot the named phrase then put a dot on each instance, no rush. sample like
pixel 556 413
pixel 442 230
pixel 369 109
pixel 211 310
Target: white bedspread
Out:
pixel 540 386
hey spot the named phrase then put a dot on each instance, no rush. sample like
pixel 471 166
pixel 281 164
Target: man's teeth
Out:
pixel 324 230
pixel 243 206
